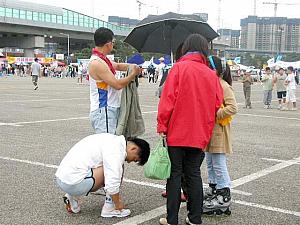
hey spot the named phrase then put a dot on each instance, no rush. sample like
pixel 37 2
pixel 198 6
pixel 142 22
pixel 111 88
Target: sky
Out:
pixel 231 11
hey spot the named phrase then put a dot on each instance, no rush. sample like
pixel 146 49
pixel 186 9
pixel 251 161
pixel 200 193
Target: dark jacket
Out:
pixel 130 122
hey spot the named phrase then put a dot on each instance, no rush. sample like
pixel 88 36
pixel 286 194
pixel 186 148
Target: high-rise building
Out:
pixel 229 37
pixel 275 34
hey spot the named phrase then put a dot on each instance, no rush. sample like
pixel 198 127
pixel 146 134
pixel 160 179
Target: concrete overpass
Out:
pixel 29 26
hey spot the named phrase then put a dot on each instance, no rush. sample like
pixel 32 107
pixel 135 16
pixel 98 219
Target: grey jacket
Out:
pixel 130 122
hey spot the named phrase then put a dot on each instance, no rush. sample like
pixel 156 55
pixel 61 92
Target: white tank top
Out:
pixel 101 94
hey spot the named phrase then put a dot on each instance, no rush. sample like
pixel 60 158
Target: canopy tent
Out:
pixel 136 59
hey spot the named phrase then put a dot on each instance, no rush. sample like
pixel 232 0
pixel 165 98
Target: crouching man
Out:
pixel 95 162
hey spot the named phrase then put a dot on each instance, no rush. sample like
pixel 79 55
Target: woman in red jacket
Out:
pixel 186 116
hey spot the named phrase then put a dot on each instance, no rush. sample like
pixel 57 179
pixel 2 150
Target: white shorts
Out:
pixel 291 95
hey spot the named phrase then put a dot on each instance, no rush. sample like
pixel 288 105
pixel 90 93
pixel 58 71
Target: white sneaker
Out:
pixel 109 211
pixel 266 106
pixel 163 221
pixel 72 205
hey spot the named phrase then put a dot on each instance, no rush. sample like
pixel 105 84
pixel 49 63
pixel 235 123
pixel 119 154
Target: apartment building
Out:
pixel 275 34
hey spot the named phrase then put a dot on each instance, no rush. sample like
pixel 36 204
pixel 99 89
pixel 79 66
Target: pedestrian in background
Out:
pixel 186 116
pixel 291 87
pixel 278 81
pixel 35 72
pixel 267 82
pixel 247 82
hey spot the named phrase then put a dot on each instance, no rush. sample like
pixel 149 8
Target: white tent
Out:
pixel 242 67
pixel 283 64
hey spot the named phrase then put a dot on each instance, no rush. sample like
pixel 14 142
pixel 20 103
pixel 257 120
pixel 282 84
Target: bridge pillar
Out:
pixel 28 52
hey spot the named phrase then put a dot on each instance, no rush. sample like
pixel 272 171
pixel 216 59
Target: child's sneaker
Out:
pixel 72 205
pixel 109 211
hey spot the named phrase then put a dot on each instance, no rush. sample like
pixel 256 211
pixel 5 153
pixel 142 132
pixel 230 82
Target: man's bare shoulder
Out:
pixel 98 63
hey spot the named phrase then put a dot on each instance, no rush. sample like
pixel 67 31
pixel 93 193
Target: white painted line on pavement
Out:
pixel 45 100
pixel 159 186
pixel 154 213
pixel 146 216
pixel 264 172
pixel 276 160
pixel 142 183
pixel 270 208
pixel 265 116
pixel 29 162
pixel 17 124
pixel 42 121
pixel 162 210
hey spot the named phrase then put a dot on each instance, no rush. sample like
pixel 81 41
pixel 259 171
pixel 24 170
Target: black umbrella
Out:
pixel 164 33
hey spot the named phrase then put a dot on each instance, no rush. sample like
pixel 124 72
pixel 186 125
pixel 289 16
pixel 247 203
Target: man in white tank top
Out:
pixel 104 94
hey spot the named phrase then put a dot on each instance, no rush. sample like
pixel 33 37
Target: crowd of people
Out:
pixel 283 81
pixel 47 70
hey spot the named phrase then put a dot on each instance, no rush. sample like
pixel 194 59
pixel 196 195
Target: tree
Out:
pixel 291 57
pixel 121 51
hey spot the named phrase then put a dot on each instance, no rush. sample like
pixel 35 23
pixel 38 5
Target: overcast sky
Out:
pixel 231 11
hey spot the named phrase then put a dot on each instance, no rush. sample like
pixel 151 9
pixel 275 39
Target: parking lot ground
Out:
pixel 37 128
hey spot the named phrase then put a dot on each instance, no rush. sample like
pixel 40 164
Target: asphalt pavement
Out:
pixel 37 128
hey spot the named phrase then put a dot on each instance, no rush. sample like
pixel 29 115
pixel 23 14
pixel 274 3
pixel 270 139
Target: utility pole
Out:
pixel 68 36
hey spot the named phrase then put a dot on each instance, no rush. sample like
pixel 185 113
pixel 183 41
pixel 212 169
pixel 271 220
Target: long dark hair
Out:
pixel 178 52
pixel 195 43
pixel 222 68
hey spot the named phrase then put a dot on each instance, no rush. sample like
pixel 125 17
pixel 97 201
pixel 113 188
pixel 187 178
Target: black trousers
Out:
pixel 185 161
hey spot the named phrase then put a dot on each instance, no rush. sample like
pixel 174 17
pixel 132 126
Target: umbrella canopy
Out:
pixel 164 33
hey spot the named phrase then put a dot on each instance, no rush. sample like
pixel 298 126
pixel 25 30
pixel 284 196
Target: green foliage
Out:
pixel 121 50
pixel 83 54
pixel 254 60
pixel 291 57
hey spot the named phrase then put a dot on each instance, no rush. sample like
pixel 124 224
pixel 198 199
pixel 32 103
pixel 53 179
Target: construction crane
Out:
pixel 142 3
pixel 140 7
pixel 254 7
pixel 178 6
pixel 275 3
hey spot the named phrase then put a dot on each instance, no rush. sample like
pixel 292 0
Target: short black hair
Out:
pixel 268 68
pixel 195 43
pixel 36 59
pixel 144 149
pixel 102 36
pixel 290 68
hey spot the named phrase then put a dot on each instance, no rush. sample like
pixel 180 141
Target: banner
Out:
pixel 26 60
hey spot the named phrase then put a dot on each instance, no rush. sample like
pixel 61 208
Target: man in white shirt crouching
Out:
pixel 96 162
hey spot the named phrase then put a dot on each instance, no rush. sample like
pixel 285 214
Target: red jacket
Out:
pixel 191 96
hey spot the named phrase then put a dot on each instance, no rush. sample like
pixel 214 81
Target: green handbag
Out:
pixel 158 166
